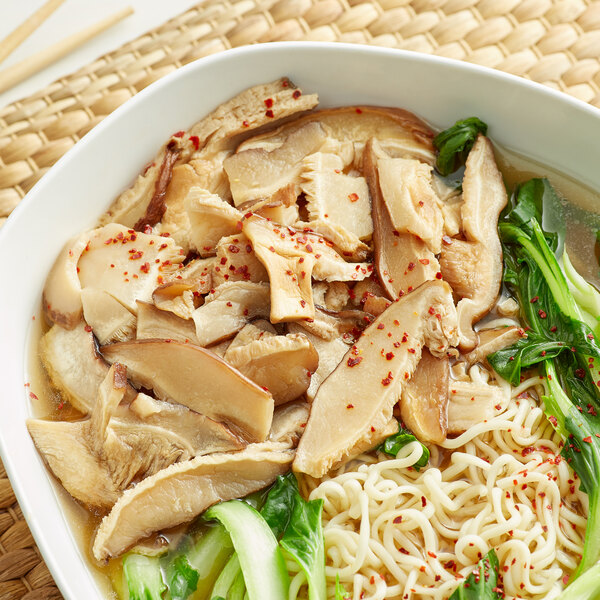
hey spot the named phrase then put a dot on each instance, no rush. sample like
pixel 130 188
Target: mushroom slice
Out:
pixel 424 402
pixel 204 435
pixel 471 403
pixel 333 196
pixel 109 319
pixel 291 258
pixel 331 352
pixel 229 308
pixel 145 198
pixel 64 447
pixel 257 174
pixel 346 243
pixel 281 207
pixel 73 364
pixel 289 422
pixel 283 364
pixel 257 106
pixel 402 260
pixel 183 294
pixel 182 491
pixel 124 263
pixel 61 299
pixel 237 261
pixel 257 330
pixel 413 206
pixel 71 448
pixel 401 133
pixel 177 297
pixel 153 323
pixel 492 340
pixel 175 219
pixel 211 219
pixel 328 324
pixel 474 267
pixel 198 379
pixel 354 405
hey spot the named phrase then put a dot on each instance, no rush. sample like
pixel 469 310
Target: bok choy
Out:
pixel 558 339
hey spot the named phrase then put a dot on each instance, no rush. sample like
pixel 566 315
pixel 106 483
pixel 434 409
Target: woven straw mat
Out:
pixel 555 42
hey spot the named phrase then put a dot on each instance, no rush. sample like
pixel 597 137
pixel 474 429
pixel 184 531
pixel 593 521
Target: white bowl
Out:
pixel 538 122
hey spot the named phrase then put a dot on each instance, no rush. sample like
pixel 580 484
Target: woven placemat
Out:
pixel 555 42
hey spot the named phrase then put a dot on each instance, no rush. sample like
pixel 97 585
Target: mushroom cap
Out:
pixel 259 174
pixel 198 379
pixel 473 267
pixel 281 363
pixel 401 132
pixel 182 491
pixel 402 260
pixel 353 407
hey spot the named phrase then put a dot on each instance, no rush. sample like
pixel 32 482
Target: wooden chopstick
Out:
pixel 17 73
pixel 25 29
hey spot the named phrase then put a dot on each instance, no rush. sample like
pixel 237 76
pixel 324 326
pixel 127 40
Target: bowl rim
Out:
pixel 58 571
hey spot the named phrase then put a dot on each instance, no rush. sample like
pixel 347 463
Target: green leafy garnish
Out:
pixel 454 144
pixel 340 591
pixel 181 577
pixel 143 577
pixel 482 584
pixel 299 524
pixel 394 443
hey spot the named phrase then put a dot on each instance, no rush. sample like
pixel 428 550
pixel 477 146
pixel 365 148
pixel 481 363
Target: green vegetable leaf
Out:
pixel 263 567
pixel 303 540
pixel 394 443
pixel 454 143
pixel 143 577
pixel 558 340
pixel 279 505
pixel 340 592
pixel 181 578
pixel 482 584
pixel 537 199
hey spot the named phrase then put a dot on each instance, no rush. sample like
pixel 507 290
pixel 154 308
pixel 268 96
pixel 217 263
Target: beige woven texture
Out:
pixel 556 43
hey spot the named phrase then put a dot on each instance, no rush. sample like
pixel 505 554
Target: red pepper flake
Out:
pixel 553 328
pixel 432 554
pixel 353 361
pixel 245 124
pixel 423 501
pixel 380 326
pixel 424 261
pixel 269 102
pixel 303 303
pixel 349 406
pixel 33 396
pixel 387 380
pixel 269 113
pixel 88 328
pixel 398 520
pixel 353 197
pixel 534 299
pixel 179 134
pixel 411 266
pixel 588 439
pixel 359 111
pixel 403 550
pixel 296 94
pixel 389 355
pixel 412 350
pixel 195 141
pixel 542 314
pixel 438 275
